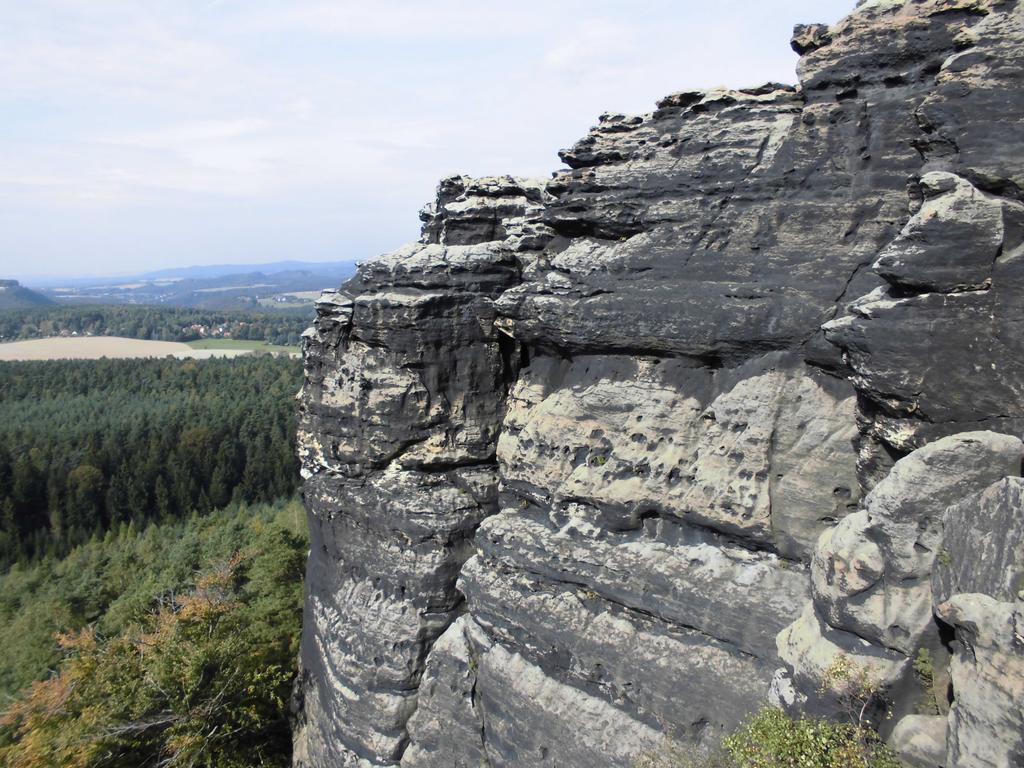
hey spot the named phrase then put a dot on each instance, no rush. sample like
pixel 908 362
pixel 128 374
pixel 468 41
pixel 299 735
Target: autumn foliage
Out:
pixel 202 679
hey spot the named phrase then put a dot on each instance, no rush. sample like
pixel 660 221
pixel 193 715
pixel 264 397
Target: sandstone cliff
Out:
pixel 641 447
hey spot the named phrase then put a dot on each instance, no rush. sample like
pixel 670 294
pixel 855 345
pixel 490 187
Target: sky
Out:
pixel 142 134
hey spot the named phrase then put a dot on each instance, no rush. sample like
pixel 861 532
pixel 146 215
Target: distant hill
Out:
pixel 206 271
pixel 13 295
pixel 275 285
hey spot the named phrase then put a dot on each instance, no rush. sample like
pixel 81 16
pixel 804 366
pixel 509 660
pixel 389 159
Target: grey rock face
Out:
pixel 633 451
pixel 978 587
pixel 469 211
pixel 951 244
pixel 935 537
pixel 763 451
pixel 870 576
pixel 953 276
pixel 954 270
pixel 920 740
pixel 986 721
pixel 399 416
pixel 983 545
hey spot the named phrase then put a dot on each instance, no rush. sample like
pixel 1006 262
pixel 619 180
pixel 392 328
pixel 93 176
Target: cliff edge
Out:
pixel 639 448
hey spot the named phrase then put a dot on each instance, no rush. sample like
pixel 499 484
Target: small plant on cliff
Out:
pixel 855 688
pixel 923 667
pixel 772 739
pixel 924 671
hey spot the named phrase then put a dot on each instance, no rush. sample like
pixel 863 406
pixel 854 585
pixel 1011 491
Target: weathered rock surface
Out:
pixel 871 574
pixel 920 740
pixel 978 587
pixel 399 418
pixel 762 451
pixel 635 450
pixel 983 545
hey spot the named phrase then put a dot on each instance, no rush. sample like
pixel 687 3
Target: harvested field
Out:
pixel 96 347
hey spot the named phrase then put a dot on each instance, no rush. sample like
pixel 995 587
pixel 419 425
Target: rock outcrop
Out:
pixel 625 454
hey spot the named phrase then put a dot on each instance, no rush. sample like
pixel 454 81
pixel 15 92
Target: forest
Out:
pixel 151 560
pixel 154 323
pixel 87 447
pixel 160 644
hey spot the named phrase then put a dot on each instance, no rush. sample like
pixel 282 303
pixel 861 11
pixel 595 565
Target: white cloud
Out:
pixel 595 41
pixel 340 115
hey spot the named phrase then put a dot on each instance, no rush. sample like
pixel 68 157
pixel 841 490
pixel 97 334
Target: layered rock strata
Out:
pixel 621 456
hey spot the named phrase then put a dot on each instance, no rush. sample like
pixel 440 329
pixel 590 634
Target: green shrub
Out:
pixel 771 739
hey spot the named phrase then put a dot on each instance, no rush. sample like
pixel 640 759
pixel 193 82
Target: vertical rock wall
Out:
pixel 587 464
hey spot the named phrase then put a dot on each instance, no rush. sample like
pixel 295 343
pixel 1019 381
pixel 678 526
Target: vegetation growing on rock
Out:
pixel 772 739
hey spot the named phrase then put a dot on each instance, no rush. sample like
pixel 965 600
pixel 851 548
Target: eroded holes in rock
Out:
pixel 638 438
pixel 920 548
pixel 842 492
pixel 673 477
pixel 596 434
pixel 580 456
